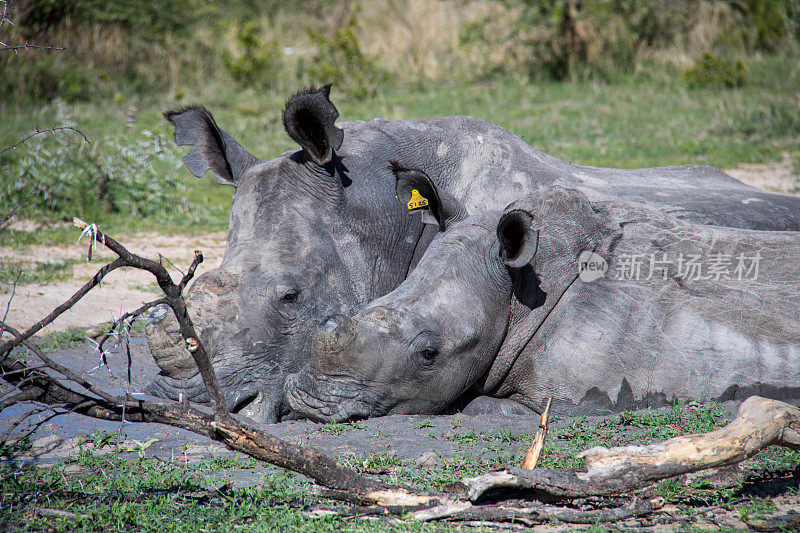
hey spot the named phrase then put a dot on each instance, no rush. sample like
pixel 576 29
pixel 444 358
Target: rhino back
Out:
pixel 626 343
pixel 485 167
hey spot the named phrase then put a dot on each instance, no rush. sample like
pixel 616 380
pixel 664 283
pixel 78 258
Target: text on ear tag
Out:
pixel 417 200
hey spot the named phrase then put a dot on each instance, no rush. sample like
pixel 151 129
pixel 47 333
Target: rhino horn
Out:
pixel 166 344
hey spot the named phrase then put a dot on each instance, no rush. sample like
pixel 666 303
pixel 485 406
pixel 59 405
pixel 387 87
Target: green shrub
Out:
pixel 61 176
pixel 340 60
pixel 256 62
pixel 772 21
pixel 714 71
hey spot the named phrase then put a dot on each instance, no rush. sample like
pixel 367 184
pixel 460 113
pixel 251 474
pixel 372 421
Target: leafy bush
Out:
pixel 154 18
pixel 340 60
pixel 772 21
pixel 257 62
pixel 61 176
pixel 714 71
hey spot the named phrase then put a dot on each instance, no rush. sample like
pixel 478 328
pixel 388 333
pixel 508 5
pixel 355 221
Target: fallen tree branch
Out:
pixel 760 423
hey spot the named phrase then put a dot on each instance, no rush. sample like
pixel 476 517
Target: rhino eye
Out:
pixel 291 296
pixel 429 354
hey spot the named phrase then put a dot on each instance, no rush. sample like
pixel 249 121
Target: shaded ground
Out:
pixel 425 451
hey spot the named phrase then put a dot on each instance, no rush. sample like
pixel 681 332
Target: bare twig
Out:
pixel 535 451
pixel 8 305
pixel 31 46
pixel 132 315
pixel 6 47
pixel 6 347
pixel 37 131
pixel 175 301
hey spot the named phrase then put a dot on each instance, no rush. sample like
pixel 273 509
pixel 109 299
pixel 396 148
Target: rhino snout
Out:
pixel 325 399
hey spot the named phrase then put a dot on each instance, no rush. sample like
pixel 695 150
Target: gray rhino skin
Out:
pixel 510 318
pixel 318 232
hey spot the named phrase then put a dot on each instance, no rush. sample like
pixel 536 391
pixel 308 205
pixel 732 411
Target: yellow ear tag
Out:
pixel 417 200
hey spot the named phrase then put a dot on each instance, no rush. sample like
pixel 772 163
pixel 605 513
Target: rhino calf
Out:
pixel 603 306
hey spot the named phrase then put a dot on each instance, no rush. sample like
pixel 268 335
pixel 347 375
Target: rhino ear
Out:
pixel 212 148
pixel 309 118
pixel 416 192
pixel 518 240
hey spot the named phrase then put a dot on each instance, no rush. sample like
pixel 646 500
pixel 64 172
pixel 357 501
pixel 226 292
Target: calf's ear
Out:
pixel 212 148
pixel 518 239
pixel 416 192
pixel 308 118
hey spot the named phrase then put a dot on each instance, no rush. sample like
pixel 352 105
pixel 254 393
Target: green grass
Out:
pixel 110 494
pixel 26 272
pixel 58 340
pixel 148 494
pixel 639 120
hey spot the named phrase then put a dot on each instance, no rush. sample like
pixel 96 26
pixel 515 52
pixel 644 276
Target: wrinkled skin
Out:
pixel 318 232
pixel 514 321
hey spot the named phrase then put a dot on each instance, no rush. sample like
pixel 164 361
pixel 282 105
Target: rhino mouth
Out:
pixel 247 401
pixel 330 400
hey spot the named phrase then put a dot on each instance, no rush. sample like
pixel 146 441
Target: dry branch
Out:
pixel 37 131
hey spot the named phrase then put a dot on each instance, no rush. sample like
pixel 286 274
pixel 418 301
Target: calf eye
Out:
pixel 291 296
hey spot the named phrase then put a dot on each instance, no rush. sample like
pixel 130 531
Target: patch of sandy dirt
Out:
pixel 122 290
pixel 778 176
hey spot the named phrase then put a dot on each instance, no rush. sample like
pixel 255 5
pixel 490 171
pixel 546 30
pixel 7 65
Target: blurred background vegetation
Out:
pixel 606 82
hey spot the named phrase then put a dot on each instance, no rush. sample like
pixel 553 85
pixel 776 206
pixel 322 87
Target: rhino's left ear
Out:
pixel 518 240
pixel 212 148
pixel 309 118
pixel 417 192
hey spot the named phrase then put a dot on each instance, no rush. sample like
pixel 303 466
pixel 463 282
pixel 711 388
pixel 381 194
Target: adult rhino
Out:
pixel 317 231
pixel 506 305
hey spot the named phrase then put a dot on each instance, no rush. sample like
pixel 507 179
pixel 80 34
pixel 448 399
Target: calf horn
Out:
pixel 336 334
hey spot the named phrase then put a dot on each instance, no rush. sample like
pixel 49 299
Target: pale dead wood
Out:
pixel 535 451
pixel 760 423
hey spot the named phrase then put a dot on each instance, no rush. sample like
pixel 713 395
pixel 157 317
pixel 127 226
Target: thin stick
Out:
pixel 37 131
pixel 8 306
pixel 535 451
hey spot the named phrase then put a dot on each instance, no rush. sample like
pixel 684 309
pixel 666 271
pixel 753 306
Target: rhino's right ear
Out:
pixel 212 148
pixel 309 118
pixel 519 241
pixel 417 192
